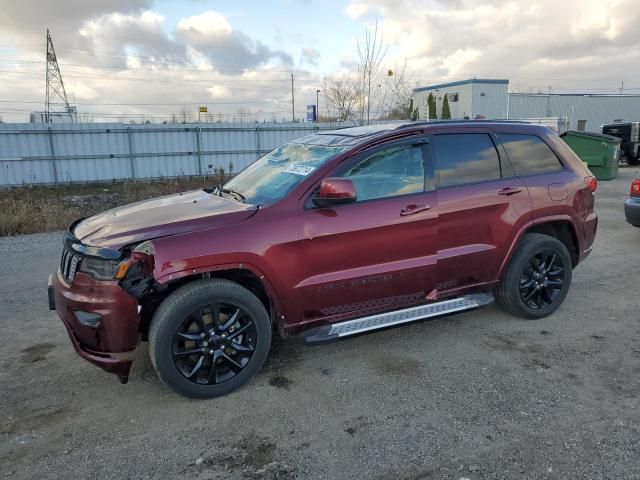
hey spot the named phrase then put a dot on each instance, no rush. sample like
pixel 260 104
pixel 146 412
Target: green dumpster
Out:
pixel 600 152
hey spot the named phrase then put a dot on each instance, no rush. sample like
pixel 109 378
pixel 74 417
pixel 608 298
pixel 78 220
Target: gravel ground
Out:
pixel 477 395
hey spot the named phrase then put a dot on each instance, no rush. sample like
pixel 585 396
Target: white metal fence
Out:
pixel 68 153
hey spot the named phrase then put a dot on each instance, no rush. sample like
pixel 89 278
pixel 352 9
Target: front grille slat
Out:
pixel 68 264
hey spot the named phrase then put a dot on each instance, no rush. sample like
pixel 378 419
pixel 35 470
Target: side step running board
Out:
pixel 397 317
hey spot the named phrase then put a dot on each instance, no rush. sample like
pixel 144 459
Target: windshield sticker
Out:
pixel 303 170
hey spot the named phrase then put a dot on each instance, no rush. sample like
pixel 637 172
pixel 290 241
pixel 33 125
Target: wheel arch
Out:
pixel 561 227
pixel 246 275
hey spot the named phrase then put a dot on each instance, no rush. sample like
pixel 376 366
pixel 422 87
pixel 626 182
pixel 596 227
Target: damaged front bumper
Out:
pixel 101 319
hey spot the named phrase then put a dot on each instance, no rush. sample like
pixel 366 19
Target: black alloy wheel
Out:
pixel 537 278
pixel 214 343
pixel 209 337
pixel 542 279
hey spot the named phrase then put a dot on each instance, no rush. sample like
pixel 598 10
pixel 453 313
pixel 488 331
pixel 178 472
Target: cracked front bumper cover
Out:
pixel 108 343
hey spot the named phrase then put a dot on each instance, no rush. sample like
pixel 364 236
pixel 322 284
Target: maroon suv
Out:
pixel 327 236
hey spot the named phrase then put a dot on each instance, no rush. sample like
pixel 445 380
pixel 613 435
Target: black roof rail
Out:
pixel 447 122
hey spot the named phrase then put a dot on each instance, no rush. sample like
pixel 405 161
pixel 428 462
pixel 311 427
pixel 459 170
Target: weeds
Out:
pixel 35 209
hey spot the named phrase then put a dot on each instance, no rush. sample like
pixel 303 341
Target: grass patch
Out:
pixel 35 209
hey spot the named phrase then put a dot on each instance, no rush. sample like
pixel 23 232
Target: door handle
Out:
pixel 411 209
pixel 509 191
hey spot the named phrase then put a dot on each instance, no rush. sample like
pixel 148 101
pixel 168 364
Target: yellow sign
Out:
pixel 203 109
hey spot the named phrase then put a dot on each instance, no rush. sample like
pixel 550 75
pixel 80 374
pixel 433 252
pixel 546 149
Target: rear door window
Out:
pixel 529 154
pixel 463 158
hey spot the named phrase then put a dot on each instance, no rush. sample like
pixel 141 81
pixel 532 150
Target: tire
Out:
pixel 523 284
pixel 225 326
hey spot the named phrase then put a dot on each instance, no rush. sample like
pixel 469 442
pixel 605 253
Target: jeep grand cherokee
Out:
pixel 331 235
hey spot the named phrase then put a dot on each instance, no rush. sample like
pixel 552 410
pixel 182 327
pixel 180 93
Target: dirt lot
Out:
pixel 477 395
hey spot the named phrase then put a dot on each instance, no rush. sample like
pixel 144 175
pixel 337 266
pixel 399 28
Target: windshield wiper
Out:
pixel 228 191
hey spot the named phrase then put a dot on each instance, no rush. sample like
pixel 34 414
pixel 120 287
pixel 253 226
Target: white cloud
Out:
pixel 218 91
pixel 211 34
pixel 569 44
pixel 122 51
pixel 356 10
pixel 209 23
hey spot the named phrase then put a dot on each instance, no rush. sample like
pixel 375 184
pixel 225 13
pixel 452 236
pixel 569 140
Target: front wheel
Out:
pixel 537 279
pixel 208 338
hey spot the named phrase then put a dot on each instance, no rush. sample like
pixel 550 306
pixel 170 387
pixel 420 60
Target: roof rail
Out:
pixel 445 122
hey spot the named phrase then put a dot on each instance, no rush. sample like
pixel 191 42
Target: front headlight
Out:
pixel 98 268
pixel 103 269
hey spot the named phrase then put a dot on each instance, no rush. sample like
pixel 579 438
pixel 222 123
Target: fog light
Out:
pixel 88 319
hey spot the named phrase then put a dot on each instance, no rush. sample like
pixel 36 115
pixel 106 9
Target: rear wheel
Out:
pixel 209 338
pixel 537 279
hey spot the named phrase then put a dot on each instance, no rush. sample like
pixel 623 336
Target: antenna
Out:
pixel 56 95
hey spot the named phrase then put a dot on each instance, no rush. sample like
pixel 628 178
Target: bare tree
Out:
pixel 343 96
pixel 371 54
pixel 1 121
pixel 401 92
pixel 185 115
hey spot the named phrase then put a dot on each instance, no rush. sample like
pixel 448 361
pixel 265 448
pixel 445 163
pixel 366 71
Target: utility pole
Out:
pixel 293 102
pixel 621 87
pixel 317 105
pixel 55 92
pixel 549 102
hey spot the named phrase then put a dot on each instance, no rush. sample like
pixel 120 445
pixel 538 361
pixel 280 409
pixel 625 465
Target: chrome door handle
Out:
pixel 509 191
pixel 411 209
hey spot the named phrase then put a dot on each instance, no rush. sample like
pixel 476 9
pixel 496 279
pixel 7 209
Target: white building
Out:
pixel 489 98
pixel 467 98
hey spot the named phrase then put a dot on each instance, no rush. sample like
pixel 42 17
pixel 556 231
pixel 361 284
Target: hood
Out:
pixel 160 217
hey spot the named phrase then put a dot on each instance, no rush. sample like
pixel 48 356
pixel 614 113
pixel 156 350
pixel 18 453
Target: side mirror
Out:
pixel 335 191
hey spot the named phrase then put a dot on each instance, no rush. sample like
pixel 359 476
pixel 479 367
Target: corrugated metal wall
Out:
pixel 595 109
pixel 66 153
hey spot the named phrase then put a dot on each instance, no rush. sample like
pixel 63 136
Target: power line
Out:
pixel 157 103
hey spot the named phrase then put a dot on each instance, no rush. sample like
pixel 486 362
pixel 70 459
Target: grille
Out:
pixel 69 264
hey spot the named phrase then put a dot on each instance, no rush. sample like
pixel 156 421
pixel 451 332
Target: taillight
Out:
pixel 635 188
pixel 592 183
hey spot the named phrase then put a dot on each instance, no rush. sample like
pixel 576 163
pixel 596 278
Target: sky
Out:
pixel 125 60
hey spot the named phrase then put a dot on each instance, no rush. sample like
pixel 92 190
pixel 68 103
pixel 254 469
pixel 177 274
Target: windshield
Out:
pixel 271 177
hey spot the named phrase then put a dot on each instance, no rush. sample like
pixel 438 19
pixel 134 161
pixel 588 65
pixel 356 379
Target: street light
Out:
pixel 317 104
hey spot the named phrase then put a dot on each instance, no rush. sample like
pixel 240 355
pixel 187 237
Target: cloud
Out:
pixel 141 37
pixel 570 44
pixel 211 34
pixel 310 56
pixel 27 20
pixel 356 10
pixel 120 60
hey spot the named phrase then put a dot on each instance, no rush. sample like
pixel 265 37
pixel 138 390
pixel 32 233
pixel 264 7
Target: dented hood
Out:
pixel 159 217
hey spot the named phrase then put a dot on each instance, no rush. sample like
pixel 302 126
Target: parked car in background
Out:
pixel 629 133
pixel 335 234
pixel 632 205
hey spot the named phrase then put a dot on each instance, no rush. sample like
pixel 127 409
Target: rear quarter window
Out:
pixel 529 154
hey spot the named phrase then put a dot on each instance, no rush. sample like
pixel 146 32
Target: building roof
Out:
pixel 462 82
pixel 615 95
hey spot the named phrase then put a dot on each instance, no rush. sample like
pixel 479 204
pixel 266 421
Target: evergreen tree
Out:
pixel 415 115
pixel 446 113
pixel 431 103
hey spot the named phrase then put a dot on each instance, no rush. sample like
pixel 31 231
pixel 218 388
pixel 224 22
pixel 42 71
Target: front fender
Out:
pixel 183 268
